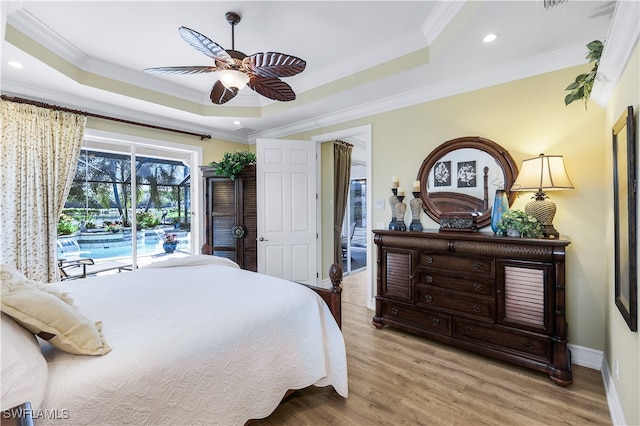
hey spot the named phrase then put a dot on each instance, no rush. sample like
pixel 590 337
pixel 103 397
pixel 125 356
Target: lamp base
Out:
pixel 543 210
pixel 549 231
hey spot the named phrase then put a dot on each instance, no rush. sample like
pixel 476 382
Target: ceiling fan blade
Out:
pixel 204 44
pixel 181 70
pixel 220 94
pixel 271 88
pixel 274 64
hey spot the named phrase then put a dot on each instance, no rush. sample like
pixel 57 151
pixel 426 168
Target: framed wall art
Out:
pixel 624 206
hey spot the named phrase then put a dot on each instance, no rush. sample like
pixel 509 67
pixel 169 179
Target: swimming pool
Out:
pixel 68 247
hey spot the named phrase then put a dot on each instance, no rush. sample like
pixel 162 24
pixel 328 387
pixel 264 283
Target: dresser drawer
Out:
pixel 478 266
pixel 469 285
pixel 430 320
pixel 465 305
pixel 518 340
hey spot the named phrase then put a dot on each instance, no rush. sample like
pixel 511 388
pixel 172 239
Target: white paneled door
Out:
pixel 286 180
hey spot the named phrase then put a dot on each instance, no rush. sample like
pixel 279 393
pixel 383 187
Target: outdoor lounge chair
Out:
pixel 67 268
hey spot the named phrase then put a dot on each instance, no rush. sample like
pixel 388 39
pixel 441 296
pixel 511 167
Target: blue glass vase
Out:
pixel 500 207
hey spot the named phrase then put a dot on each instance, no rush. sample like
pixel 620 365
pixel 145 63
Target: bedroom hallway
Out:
pixel 399 378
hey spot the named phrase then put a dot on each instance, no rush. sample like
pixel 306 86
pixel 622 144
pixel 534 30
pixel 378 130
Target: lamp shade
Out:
pixel 233 79
pixel 542 173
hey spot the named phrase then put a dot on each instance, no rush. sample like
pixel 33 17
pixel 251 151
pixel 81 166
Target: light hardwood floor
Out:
pixel 398 378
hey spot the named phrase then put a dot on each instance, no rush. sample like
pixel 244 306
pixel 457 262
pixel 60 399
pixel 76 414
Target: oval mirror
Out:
pixel 462 175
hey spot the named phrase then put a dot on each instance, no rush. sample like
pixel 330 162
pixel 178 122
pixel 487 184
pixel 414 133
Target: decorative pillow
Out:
pixel 45 314
pixel 24 369
pixel 13 276
pixel 193 260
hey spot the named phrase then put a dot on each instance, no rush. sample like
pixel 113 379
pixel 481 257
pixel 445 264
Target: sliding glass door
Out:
pixel 126 202
pixel 354 247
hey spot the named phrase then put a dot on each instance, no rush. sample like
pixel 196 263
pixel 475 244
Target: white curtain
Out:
pixel 39 151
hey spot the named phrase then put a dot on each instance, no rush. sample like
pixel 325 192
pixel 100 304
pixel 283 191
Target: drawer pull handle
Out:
pixel 429 279
pixel 528 345
pixel 429 259
pixel 395 311
pixel 477 287
pixel 477 308
pixel 469 330
pixel 478 265
pixel 435 321
pixel 428 298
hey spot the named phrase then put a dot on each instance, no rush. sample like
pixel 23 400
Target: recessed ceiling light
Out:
pixel 15 64
pixel 490 37
pixel 237 122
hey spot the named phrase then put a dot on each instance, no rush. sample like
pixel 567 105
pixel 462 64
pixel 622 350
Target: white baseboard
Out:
pixel 591 358
pixel 586 357
pixel 615 409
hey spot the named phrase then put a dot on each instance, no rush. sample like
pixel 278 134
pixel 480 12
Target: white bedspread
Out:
pixel 198 344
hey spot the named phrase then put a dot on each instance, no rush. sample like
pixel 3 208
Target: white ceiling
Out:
pixel 363 57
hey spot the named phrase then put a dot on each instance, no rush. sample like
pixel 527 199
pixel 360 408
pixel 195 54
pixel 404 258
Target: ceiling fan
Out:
pixel 260 71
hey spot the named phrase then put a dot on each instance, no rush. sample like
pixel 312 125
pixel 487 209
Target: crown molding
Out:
pixel 621 40
pixel 554 61
pixel 440 17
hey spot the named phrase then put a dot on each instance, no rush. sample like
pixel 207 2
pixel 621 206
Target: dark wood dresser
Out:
pixel 498 296
pixel 231 216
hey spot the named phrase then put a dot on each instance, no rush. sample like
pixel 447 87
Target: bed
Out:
pixel 186 341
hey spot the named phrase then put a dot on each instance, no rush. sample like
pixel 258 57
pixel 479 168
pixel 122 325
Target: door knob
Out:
pixel 262 239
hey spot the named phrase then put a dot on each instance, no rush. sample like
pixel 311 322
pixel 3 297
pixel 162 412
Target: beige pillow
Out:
pixel 44 314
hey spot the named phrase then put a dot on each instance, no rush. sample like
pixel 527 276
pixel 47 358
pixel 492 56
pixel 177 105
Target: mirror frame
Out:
pixel 501 156
pixel 625 233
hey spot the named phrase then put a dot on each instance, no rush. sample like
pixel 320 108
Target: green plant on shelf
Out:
pixel 232 163
pixel 517 220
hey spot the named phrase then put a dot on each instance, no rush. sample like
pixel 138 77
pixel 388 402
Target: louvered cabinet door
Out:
pixel 397 269
pixel 526 295
pixel 231 216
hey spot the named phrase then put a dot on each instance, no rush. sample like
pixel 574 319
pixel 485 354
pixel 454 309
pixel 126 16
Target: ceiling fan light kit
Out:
pixel 232 79
pixel 260 71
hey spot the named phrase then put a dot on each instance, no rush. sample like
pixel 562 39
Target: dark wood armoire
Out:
pixel 231 216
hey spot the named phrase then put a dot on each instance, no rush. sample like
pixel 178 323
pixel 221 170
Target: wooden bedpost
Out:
pixel 333 296
pixel 335 299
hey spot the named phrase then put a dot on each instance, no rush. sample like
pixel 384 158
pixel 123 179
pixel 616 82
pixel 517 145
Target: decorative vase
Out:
pixel 500 207
pixel 169 247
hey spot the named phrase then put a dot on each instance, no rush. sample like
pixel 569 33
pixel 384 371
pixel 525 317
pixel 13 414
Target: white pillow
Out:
pixel 48 313
pixel 24 369
pixel 193 260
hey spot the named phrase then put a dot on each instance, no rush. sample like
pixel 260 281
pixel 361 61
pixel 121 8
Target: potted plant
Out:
pixel 517 223
pixel 233 162
pixel 170 243
pixel 114 227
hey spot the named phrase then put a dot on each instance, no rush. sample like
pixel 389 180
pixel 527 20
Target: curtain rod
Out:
pixel 340 141
pixel 104 117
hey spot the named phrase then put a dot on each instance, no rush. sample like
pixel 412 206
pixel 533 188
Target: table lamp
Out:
pixel 540 174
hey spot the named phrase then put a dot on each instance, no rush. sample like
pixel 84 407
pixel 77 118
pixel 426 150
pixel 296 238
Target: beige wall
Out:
pixel 622 344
